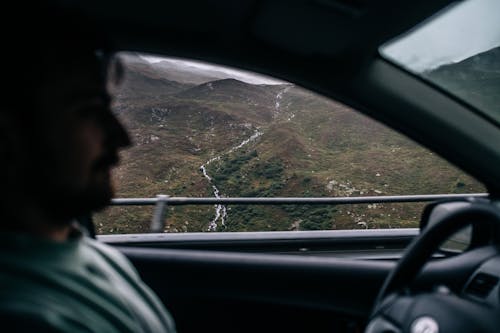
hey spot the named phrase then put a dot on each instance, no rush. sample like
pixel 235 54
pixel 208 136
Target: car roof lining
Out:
pixel 258 35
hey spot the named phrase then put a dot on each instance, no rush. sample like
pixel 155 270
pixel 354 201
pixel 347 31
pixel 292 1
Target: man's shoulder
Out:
pixel 91 285
pixel 111 255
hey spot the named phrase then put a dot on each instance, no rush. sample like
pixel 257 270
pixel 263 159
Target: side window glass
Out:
pixel 201 130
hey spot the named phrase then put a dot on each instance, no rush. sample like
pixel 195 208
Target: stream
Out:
pixel 221 210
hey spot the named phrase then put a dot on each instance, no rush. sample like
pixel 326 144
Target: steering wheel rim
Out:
pixel 423 247
pixel 441 310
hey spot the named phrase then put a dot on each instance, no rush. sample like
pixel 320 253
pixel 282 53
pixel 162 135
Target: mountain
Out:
pixel 475 79
pixel 226 137
pixel 141 80
pixel 256 102
pixel 234 90
pixel 174 69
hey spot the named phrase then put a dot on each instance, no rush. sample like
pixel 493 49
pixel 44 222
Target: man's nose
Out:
pixel 117 135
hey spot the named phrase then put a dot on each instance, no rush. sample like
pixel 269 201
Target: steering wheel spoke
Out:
pixel 391 314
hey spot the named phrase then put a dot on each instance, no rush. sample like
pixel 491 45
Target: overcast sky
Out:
pixel 466 29
pixel 229 72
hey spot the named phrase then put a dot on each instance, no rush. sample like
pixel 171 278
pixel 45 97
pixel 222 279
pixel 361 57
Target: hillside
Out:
pixel 475 79
pixel 230 138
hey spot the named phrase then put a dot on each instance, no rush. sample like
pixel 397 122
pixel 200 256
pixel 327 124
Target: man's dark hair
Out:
pixel 47 38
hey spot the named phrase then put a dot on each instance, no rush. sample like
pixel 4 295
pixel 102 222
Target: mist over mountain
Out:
pixel 143 81
pixel 475 79
pixel 228 138
pixel 182 72
pixel 169 70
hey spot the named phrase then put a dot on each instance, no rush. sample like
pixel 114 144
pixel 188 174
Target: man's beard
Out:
pixel 62 207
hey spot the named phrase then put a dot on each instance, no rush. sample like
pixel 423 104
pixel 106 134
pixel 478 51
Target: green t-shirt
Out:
pixel 79 285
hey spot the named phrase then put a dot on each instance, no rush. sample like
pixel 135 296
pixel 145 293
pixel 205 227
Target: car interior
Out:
pixel 375 280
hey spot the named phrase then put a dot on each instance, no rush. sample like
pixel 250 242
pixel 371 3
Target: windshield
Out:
pixel 458 50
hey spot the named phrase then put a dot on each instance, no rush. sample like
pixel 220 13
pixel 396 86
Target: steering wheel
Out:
pixel 398 311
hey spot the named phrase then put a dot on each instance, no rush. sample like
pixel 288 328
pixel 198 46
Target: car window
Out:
pixel 201 130
pixel 458 50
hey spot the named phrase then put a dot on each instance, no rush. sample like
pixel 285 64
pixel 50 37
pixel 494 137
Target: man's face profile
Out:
pixel 79 141
pixel 58 137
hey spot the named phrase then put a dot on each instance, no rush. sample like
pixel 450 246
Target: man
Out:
pixel 58 142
